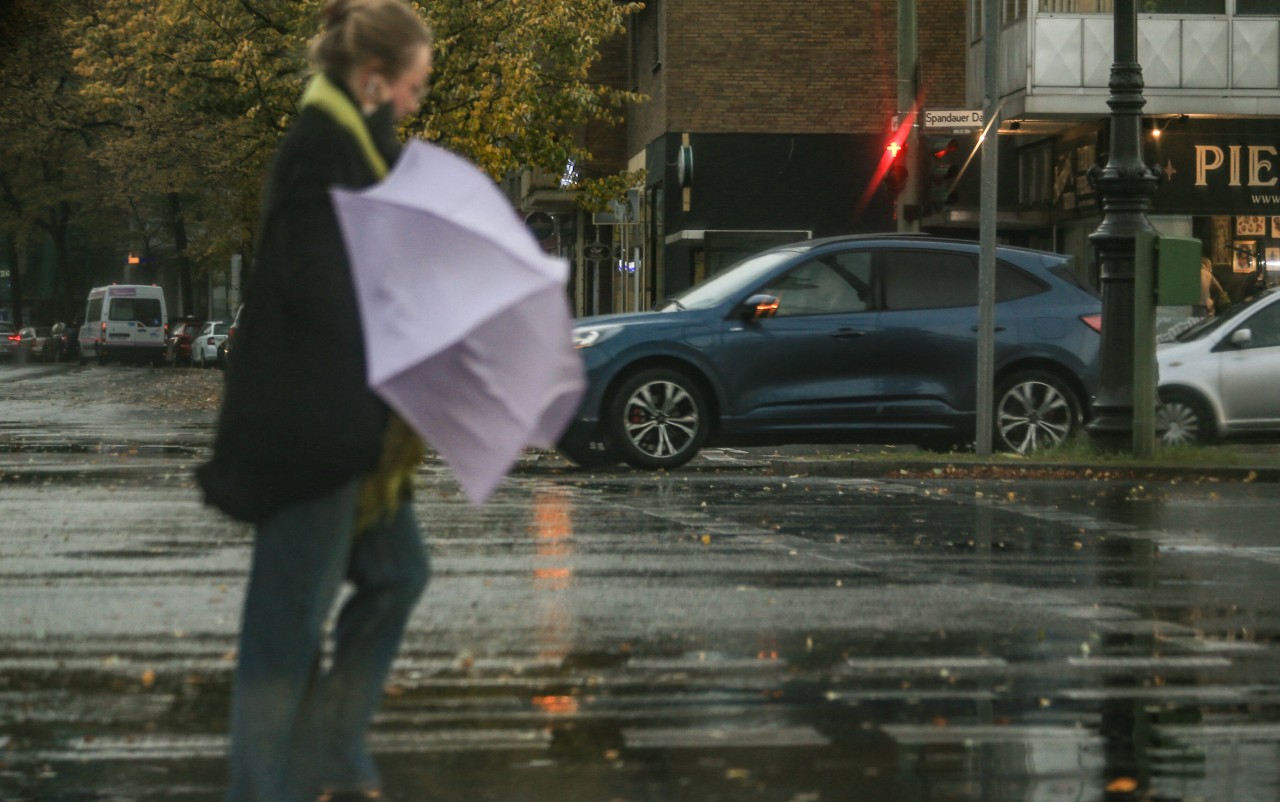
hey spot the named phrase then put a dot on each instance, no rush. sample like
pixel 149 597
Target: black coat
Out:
pixel 298 419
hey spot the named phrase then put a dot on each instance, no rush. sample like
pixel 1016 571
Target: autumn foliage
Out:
pixel 188 98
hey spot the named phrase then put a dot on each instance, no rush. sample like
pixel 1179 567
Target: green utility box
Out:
pixel 1177 273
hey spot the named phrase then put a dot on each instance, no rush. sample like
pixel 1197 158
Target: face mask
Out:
pixel 382 117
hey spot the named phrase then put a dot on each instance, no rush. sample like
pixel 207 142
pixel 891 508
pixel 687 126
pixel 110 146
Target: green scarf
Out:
pixel 382 491
pixel 322 94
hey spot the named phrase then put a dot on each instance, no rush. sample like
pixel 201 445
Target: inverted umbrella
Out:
pixel 466 322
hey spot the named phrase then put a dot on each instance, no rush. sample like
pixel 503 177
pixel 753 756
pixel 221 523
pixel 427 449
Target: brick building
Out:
pixel 765 123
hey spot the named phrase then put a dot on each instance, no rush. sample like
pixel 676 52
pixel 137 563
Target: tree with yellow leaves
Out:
pixel 200 91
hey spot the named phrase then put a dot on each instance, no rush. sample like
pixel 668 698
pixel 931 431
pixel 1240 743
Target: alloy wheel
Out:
pixel 1034 412
pixel 659 420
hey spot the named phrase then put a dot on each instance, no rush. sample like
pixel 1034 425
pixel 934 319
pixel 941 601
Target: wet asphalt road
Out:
pixel 725 632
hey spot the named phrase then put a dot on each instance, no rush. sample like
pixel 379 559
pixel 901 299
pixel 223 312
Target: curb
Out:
pixel 929 469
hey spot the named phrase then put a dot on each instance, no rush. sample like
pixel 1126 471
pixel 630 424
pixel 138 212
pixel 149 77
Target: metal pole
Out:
pixel 908 195
pixel 1126 186
pixel 987 228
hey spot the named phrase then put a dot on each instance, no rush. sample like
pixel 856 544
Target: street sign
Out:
pixel 953 119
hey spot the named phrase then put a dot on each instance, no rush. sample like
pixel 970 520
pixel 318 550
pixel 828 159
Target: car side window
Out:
pixel 1265 327
pixel 834 283
pixel 1012 283
pixel 929 279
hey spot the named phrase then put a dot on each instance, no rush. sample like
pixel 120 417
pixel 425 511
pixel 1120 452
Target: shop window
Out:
pixel 1035 175
pixel 1144 6
pixel 1075 6
pixel 1010 11
pixel 1258 8
pixel 1182 6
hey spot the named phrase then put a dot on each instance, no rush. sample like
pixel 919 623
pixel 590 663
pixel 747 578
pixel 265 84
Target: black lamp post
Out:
pixel 1126 186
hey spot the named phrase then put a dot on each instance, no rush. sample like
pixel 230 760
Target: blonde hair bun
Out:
pixel 355 32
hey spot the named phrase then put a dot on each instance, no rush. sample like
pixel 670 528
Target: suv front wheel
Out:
pixel 1034 410
pixel 658 419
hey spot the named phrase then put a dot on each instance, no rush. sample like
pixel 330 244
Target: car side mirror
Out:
pixel 1242 337
pixel 758 307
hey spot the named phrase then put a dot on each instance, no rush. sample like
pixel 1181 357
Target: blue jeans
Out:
pixel 298 727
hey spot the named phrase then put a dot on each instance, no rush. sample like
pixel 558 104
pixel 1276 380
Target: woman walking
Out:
pixel 305 451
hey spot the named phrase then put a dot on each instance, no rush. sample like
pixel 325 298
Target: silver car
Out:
pixel 1221 377
pixel 205 345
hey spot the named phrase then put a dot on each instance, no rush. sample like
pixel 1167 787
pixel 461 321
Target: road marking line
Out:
pixel 729 737
pixel 1137 663
pixel 980 733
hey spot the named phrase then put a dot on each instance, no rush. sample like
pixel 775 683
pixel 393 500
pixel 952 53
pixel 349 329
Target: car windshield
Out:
pixel 1208 325
pixel 728 282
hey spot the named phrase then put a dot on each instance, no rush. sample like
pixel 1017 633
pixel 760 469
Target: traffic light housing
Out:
pixel 943 170
pixel 897 173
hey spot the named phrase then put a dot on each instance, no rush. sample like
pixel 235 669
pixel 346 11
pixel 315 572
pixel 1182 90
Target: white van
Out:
pixel 125 321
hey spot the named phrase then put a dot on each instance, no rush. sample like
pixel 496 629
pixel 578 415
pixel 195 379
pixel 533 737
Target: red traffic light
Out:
pixel 942 147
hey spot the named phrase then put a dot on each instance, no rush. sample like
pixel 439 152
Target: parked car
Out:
pixel 128 322
pixel 204 347
pixel 63 343
pixel 9 340
pixel 31 343
pixel 178 345
pixel 224 350
pixel 1218 379
pixel 868 338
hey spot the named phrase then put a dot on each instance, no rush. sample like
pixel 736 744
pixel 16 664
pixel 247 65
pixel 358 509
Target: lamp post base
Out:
pixel 1111 429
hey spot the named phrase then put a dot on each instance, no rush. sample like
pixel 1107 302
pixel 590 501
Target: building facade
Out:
pixel 1211 70
pixel 764 123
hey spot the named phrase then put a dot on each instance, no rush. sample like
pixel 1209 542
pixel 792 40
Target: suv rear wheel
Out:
pixel 658 419
pixel 1034 410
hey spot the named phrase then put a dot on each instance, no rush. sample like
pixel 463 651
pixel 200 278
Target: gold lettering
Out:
pixel 1235 166
pixel 1258 165
pixel 1208 158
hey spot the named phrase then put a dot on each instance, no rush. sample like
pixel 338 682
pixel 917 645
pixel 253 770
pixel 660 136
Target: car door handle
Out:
pixel 847 334
pixel 998 328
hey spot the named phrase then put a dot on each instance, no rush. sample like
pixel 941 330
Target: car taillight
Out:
pixel 15 337
pixel 1093 321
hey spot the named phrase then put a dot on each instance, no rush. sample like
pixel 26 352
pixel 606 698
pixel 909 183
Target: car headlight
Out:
pixel 585 338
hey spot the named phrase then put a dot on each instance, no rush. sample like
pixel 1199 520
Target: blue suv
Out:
pixel 858 339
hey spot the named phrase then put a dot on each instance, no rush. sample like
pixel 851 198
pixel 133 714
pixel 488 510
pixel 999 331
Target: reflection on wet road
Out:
pixel 696 636
pixel 734 636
